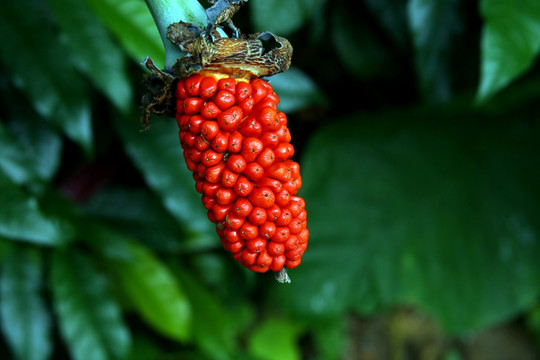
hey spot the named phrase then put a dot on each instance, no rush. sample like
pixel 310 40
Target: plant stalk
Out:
pixel 166 12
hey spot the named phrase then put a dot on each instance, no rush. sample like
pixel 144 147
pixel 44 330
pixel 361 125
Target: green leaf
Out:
pixel 132 24
pixel 25 320
pixel 154 292
pixel 138 213
pixel 275 339
pixel 444 216
pixel 214 329
pixel 510 42
pixel 282 17
pixel 297 91
pixel 94 52
pixel 37 63
pixel 14 159
pixel 22 218
pixel 39 144
pixel 433 25
pixel 90 319
pixel 158 155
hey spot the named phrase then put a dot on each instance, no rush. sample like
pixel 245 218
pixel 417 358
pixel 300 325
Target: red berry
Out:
pixel 266 157
pixel 235 142
pixel 224 99
pixel 213 174
pixel 267 230
pixel 250 128
pixel 225 196
pixel 243 91
pixel 230 118
pixel 254 171
pixel 243 207
pixel 209 129
pixel 209 110
pixel 228 178
pixel 208 87
pixel 211 158
pixel 192 105
pixel 262 197
pixel 236 163
pixel 193 84
pixel 243 186
pixel 258 215
pixel 249 231
pixel 227 84
pixel 220 141
pixel 251 148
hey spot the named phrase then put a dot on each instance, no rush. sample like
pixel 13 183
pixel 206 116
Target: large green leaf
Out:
pixel 138 213
pixel 90 319
pixel 433 25
pixel 158 155
pixel 275 339
pixel 14 159
pixel 26 323
pixel 95 53
pixel 39 146
pixel 443 216
pixel 282 17
pixel 154 292
pixel 214 329
pixel 132 24
pixel 38 64
pixel 22 217
pixel 510 42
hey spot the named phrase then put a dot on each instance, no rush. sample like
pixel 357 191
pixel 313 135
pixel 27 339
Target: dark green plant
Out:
pixel 416 124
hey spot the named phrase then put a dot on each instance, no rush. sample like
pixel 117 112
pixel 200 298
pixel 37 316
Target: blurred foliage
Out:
pixel 416 125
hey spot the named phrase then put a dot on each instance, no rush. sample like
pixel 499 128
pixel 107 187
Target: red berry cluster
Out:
pixel 237 145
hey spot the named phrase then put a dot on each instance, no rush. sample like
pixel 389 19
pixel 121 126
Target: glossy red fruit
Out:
pixel 209 129
pixel 251 149
pixel 243 186
pixel 242 207
pixel 258 215
pixel 262 197
pixel 230 119
pixel 208 87
pixel 267 230
pixel 235 142
pixel 266 157
pixel 193 84
pixel 192 105
pixel 228 178
pixel 243 91
pixel 220 141
pixel 254 171
pixel 250 128
pixel 210 110
pixel 227 84
pixel 224 99
pixel 211 158
pixel 213 173
pixel 236 163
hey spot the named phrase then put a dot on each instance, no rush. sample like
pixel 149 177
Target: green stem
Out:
pixel 166 12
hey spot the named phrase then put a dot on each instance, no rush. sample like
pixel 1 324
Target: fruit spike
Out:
pixel 235 140
pixel 236 143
